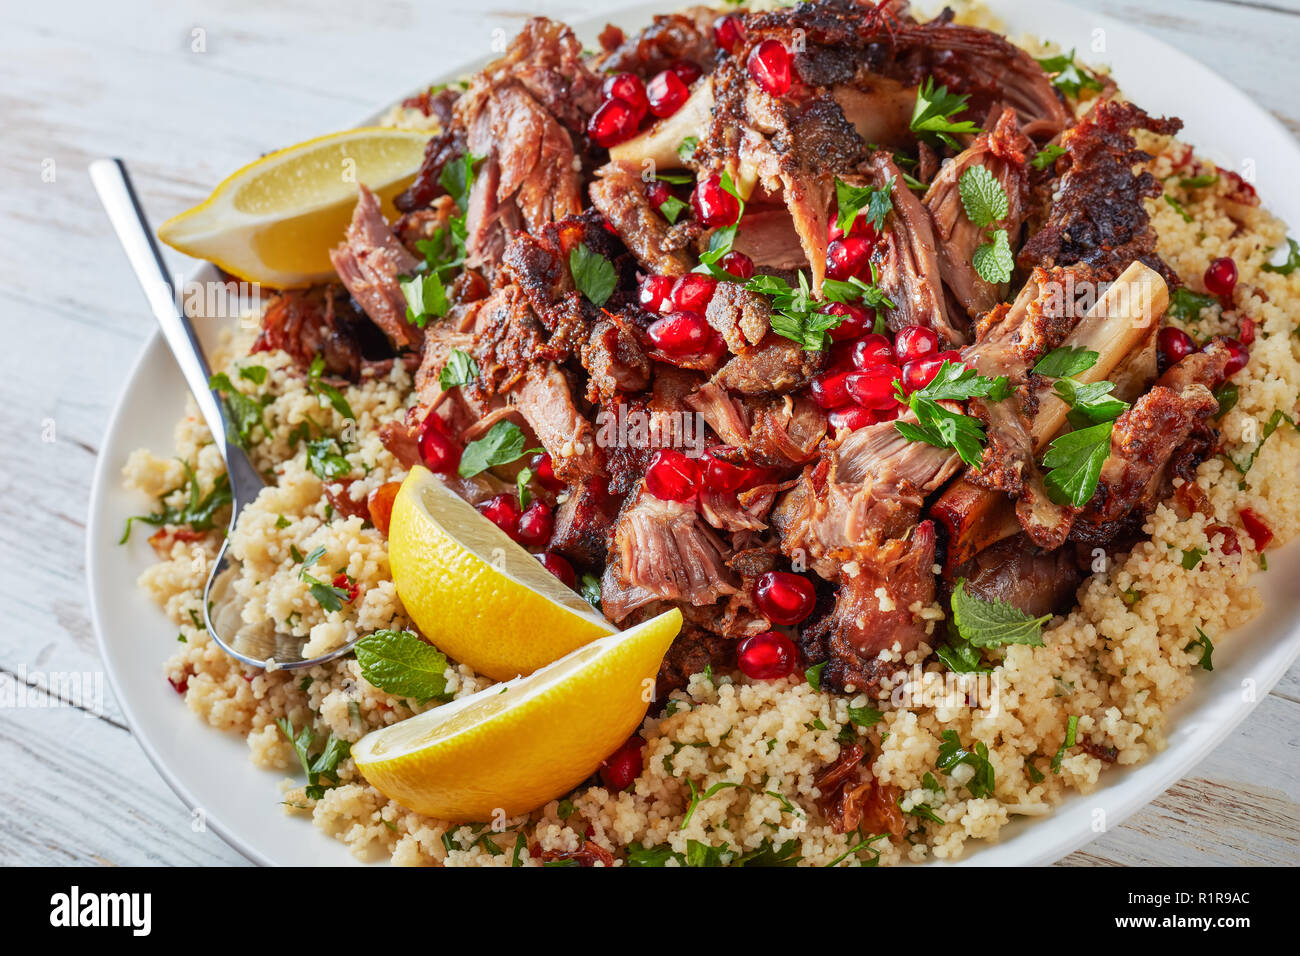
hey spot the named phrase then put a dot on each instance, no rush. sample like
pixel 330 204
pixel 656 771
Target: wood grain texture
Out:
pixel 79 80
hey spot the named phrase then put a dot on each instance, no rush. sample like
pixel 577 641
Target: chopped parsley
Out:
pixel 327 391
pixel 328 596
pixel 1292 260
pixel 1069 77
pixel 400 663
pixel 1199 182
pixel 503 444
pixel 243 413
pixel 589 588
pixel 1178 208
pixel 1074 461
pixel 425 297
pixel 593 274
pixel 672 209
pixel 993 623
pixel 1207 650
pixel 865 716
pixel 324 460
pixel 723 238
pixel 697 797
pixel 461 369
pixel 1192 557
pixel 1066 361
pixel 198 511
pixel 867 201
pixel 1274 421
pixel 952 755
pixel 1188 305
pixel 254 373
pixel 1071 734
pixel 932 116
pixel 1226 395
pixel 814 675
pixel 1046 156
pixel 324 764
pixel 686 148
pixel 941 427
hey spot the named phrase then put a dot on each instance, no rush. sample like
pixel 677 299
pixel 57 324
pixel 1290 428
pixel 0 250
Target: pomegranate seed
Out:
pixel 693 291
pixel 502 511
pixel 613 122
pixel 1259 532
pixel 672 476
pixel 439 452
pixel 686 71
pixel 628 88
pixel 656 293
pixel 873 387
pixel 722 475
pixel 623 766
pixel 857 321
pixel 666 93
pixel 560 568
pixel 847 257
pixel 766 656
pixel 1240 356
pixel 180 686
pixel 851 417
pixel 1221 277
pixel 713 205
pixel 872 349
pixel 344 583
pixel 1247 330
pixel 1174 345
pixel 783 597
pixel 1230 543
pixel 682 333
pixel 829 390
pixel 861 229
pixel 658 193
pixel 737 264
pixel 544 471
pixel 535 525
pixel 729 32
pixel 915 341
pixel 769 65
pixel 919 373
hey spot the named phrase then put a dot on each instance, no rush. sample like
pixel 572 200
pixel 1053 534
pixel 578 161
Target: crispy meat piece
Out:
pixel 741 317
pixel 369 261
pixel 316 321
pixel 774 366
pixel 1099 218
pixel 1001 151
pixel 545 398
pixel 615 362
pixel 445 147
pixel 692 651
pixel 584 521
pixel 687 35
pixel 1031 579
pixel 618 192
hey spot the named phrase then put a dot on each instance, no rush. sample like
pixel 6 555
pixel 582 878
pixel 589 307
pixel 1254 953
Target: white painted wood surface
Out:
pixel 80 80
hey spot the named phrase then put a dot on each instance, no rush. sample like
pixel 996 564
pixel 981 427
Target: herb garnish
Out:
pixel 941 427
pixel 425 296
pixel 254 373
pixel 1188 305
pixel 461 369
pixel 593 274
pixel 952 755
pixel 399 663
pixel 243 412
pixel 328 596
pixel 1046 156
pixel 686 148
pixel 1068 360
pixel 1071 735
pixel 1075 458
pixel 986 204
pixel 324 764
pixel 932 115
pixel 994 623
pixel 326 390
pixel 1207 650
pixel 503 444
pixel 1068 77
pixel 197 512
pixel 324 460
pixel 868 201
pixel 1292 260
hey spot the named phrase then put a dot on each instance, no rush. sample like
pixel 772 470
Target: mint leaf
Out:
pixel 593 274
pixel 983 197
pixel 993 260
pixel 503 444
pixel 461 369
pixel 957 383
pixel 1066 361
pixel 1075 460
pixel 994 623
pixel 401 664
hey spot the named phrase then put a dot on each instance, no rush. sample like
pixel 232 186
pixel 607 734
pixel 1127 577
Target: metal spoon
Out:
pixel 262 648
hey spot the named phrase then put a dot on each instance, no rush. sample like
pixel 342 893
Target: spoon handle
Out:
pixel 113 184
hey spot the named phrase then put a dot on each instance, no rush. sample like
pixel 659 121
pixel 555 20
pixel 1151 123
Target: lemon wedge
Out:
pixel 275 220
pixel 480 597
pixel 514 746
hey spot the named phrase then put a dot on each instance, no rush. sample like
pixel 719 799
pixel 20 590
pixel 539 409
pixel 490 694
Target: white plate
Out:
pixel 211 771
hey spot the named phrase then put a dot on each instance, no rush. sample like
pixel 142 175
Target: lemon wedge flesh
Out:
pixel 514 746
pixel 477 595
pixel 275 220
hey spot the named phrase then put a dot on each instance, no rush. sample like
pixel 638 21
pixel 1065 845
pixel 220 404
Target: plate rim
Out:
pixel 1152 775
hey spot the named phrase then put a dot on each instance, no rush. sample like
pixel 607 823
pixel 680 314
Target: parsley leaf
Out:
pixel 197 513
pixel 328 596
pixel 1071 735
pixel 593 274
pixel 932 115
pixel 993 260
pixel 324 764
pixel 461 369
pixel 1188 305
pixel 686 148
pixel 399 663
pixel 1075 460
pixel 672 208
pixel 1066 361
pixel 503 444
pixel 983 197
pixel 994 623
pixel 952 755
pixel 865 716
pixel 1047 156
pixel 941 427
pixel 813 675
pixel 1198 182
pixel 1292 260
pixel 867 201
pixel 324 460
pixel 243 412
pixel 589 588
pixel 1178 208
pixel 326 390
pixel 425 297
pixel 1091 403
pixel 1207 650
pixel 458 179
pixel 254 373
pixel 1069 78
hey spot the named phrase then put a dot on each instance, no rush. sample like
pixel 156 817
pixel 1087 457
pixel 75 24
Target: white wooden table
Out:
pixel 187 90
